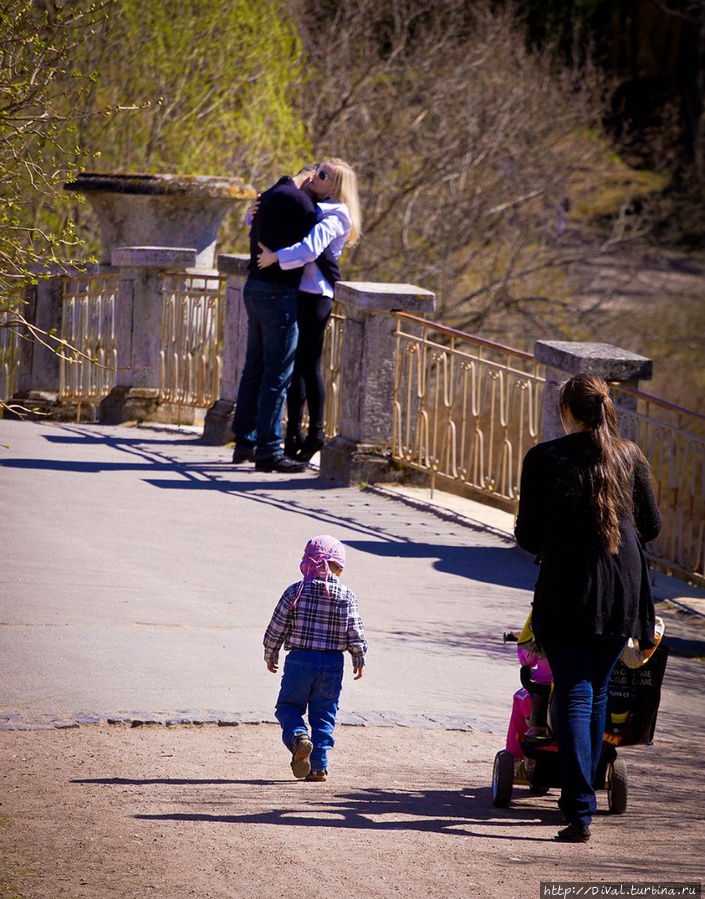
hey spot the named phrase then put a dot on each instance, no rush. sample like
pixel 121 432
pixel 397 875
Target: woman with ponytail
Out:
pixel 586 509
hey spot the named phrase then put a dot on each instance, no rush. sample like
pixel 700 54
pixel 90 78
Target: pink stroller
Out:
pixel 530 757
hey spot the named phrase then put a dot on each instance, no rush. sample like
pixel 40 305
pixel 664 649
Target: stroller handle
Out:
pixel 531 686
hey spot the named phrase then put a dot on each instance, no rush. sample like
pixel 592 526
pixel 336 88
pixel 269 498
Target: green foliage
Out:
pixel 40 90
pixel 208 87
pixel 126 85
pixel 198 88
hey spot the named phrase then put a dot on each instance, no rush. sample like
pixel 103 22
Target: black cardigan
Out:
pixel 582 589
pixel 285 216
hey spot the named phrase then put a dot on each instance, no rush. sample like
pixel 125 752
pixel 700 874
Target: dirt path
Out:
pixel 113 811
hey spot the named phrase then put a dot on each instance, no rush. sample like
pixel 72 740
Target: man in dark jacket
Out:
pixel 285 215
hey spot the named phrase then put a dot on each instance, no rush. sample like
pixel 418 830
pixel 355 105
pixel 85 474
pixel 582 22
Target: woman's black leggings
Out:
pixel 307 386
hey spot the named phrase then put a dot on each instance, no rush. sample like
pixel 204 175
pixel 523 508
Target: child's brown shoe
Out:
pixel 301 748
pixel 322 774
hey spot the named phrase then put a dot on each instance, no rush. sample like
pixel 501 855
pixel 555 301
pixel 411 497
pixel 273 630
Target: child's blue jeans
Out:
pixel 312 680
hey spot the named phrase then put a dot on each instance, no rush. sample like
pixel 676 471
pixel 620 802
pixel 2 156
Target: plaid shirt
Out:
pixel 317 621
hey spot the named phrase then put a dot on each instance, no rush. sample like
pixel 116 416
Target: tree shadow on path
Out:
pixel 452 812
pixel 484 557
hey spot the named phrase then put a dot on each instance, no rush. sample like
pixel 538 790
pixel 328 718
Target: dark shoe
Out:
pixel 301 750
pixel 282 464
pixel 574 833
pixel 538 736
pixel 292 445
pixel 240 456
pixel 311 446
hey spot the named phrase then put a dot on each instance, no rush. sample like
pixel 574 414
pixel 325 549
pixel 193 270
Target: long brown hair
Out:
pixel 609 479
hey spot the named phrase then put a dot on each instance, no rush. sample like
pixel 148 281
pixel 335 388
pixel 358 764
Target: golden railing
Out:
pixel 192 339
pixel 465 409
pixel 88 325
pixel 673 440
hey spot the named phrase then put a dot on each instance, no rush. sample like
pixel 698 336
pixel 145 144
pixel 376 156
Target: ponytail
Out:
pixel 608 478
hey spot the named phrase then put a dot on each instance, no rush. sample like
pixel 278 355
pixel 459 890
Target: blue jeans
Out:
pixel 272 334
pixel 312 680
pixel 581 673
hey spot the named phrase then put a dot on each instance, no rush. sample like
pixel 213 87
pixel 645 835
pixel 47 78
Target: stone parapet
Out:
pixel 217 429
pixel 563 359
pixel 138 324
pixel 362 450
pixel 154 257
pixel 39 365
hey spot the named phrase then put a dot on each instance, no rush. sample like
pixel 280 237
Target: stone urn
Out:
pixel 183 211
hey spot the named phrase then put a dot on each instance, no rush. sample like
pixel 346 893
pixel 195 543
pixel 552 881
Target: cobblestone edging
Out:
pixel 189 717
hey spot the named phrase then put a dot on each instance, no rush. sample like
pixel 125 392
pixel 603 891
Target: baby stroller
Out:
pixel 531 754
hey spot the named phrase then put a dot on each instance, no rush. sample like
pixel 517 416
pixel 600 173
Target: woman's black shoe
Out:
pixel 311 446
pixel 292 446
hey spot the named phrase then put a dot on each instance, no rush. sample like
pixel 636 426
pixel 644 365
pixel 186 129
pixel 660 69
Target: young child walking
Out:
pixel 317 620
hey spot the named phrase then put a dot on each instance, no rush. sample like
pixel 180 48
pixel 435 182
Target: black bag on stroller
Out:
pixel 633 699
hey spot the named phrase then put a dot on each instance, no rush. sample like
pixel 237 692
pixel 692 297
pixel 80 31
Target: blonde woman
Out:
pixel 334 188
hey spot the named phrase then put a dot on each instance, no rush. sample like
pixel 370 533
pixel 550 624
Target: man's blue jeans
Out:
pixel 581 673
pixel 312 680
pixel 272 333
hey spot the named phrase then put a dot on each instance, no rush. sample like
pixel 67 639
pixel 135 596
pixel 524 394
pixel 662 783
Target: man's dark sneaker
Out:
pixel 281 464
pixel 574 833
pixel 240 456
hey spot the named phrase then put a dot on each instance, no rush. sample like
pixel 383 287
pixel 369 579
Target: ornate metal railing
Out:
pixel 191 339
pixel 673 440
pixel 88 325
pixel 465 409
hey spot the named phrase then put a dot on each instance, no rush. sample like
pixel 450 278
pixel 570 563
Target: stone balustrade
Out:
pixel 563 359
pixel 178 219
pixel 138 325
pixel 361 452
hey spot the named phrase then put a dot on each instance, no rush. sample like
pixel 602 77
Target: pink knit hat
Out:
pixel 319 553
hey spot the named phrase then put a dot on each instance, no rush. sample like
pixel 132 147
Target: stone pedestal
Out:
pixel 563 359
pixel 362 450
pixel 217 429
pixel 160 210
pixel 138 331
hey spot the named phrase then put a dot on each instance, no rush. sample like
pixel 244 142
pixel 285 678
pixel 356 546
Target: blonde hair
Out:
pixel 345 191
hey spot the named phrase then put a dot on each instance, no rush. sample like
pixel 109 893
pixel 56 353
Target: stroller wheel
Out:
pixel 502 778
pixel 617 787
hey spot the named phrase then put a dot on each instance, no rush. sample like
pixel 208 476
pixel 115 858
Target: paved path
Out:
pixel 140 568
